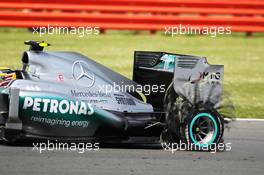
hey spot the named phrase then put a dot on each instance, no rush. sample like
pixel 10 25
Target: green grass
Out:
pixel 242 56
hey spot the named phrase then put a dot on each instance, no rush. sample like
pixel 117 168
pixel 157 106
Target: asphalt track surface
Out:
pixel 246 157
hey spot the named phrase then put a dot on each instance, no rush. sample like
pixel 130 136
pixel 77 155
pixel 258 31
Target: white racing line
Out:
pixel 247 119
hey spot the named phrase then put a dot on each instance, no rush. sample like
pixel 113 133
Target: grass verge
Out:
pixel 242 56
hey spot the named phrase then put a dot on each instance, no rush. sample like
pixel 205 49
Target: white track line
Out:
pixel 250 119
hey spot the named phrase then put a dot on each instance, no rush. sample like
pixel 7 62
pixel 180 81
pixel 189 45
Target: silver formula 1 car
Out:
pixel 69 97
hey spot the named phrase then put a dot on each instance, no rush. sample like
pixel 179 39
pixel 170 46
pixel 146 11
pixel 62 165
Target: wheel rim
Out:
pixel 203 129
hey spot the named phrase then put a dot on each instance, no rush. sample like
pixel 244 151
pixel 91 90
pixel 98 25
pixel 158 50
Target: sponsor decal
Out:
pixel 206 76
pixel 59 122
pixel 97 101
pixel 120 99
pixel 75 93
pixel 47 105
pixel 60 78
pixel 81 74
pixel 168 61
pixel 33 87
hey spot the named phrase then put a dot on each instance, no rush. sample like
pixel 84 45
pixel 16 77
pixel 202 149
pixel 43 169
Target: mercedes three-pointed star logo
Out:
pixel 81 75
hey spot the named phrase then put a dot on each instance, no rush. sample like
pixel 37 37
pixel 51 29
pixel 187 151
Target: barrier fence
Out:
pixel 154 15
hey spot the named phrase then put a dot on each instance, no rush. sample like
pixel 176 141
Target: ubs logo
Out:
pixel 82 74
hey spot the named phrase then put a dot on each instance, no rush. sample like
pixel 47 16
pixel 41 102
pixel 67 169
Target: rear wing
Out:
pixel 197 80
pixel 191 75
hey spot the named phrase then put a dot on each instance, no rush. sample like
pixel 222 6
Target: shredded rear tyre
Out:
pixel 197 125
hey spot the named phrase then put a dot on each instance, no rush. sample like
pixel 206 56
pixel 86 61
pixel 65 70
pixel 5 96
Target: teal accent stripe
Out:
pixel 191 126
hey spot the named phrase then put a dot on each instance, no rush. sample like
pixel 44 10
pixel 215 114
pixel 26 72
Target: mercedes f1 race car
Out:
pixel 66 96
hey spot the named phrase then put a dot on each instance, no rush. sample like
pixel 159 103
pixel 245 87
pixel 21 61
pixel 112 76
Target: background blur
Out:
pixel 126 26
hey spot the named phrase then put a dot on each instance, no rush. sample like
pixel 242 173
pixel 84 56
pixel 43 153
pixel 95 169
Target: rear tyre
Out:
pixel 171 133
pixel 203 130
pixel 197 127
